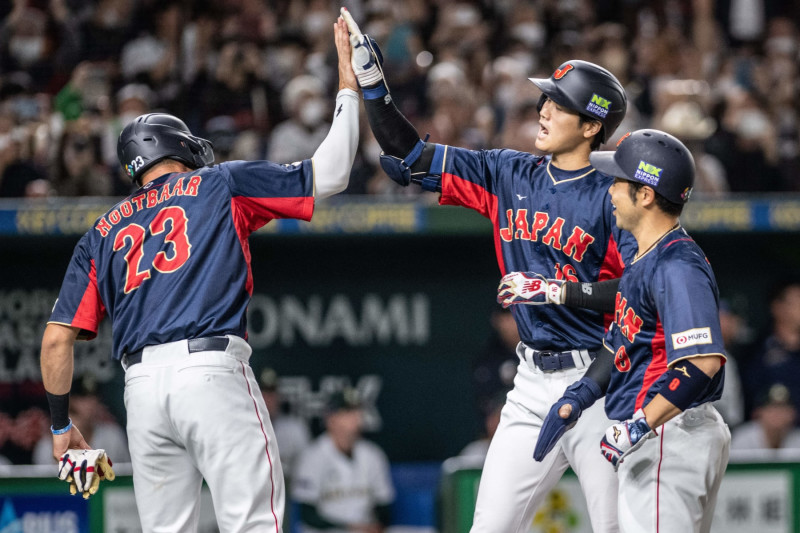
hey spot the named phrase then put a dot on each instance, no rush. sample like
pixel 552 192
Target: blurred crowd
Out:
pixel 257 78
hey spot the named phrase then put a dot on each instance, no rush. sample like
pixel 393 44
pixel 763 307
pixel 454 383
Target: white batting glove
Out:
pixel 84 469
pixel 365 55
pixel 529 288
pixel 625 438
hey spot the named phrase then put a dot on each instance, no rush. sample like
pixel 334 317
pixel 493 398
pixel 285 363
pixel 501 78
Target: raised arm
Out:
pixel 333 159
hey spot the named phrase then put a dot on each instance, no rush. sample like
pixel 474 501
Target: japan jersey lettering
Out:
pixel 667 309
pixel 176 253
pixel 546 220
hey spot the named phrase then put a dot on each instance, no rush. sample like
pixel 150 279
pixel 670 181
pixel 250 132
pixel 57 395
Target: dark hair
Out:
pixel 669 208
pixel 779 289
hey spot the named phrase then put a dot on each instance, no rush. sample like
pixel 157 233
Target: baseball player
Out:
pixel 170 265
pixel 343 482
pixel 662 366
pixel 550 214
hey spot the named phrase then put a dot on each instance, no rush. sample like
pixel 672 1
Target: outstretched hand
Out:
pixel 347 78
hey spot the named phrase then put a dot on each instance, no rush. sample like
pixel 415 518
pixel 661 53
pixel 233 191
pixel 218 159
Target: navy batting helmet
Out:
pixel 588 89
pixel 654 158
pixel 153 137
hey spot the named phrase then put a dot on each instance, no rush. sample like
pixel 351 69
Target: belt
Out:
pixel 548 361
pixel 206 344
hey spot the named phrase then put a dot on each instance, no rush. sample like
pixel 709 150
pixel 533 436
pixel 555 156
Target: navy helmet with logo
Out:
pixel 153 137
pixel 654 158
pixel 588 89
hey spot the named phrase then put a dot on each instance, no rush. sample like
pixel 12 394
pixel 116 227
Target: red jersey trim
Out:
pixel 255 212
pixel 240 225
pixel 459 191
pixel 657 366
pixel 611 268
pixel 90 311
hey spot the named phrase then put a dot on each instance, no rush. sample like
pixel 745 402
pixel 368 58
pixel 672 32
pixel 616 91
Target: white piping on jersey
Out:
pixel 556 182
pixel 637 256
pixel 444 159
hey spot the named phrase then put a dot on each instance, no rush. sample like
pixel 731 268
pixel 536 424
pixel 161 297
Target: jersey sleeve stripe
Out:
pixel 90 311
pixel 657 366
pixel 259 211
pixel 459 191
pixel 611 268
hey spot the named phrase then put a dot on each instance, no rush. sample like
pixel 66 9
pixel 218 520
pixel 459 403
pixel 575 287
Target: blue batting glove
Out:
pixel 580 395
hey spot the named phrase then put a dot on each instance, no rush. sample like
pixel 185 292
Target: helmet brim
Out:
pixel 605 163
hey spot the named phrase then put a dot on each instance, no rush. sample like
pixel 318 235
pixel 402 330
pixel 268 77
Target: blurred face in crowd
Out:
pixel 344 428
pixel 560 129
pixel 777 419
pixel 786 309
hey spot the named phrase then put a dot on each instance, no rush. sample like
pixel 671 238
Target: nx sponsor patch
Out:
pixel 691 337
pixel 598 106
pixel 647 173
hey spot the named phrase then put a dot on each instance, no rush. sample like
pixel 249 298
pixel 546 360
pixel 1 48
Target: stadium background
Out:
pixel 382 290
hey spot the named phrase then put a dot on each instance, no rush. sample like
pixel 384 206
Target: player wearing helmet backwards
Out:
pixel 662 366
pixel 170 265
pixel 550 214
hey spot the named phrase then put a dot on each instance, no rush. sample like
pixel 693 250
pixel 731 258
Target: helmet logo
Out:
pixel 598 106
pixel 647 173
pixel 623 138
pixel 687 192
pixel 561 72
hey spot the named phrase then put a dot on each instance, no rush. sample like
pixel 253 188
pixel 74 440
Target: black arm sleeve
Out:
pixel 597 296
pixel 601 367
pixel 395 134
pixel 384 514
pixel 311 517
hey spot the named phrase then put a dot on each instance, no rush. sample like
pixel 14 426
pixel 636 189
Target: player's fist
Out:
pixel 625 437
pixel 528 288
pixel 84 469
pixel 365 55
pixel 565 413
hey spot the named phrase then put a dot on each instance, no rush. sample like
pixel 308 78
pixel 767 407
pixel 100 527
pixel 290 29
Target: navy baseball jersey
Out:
pixel 667 309
pixel 546 220
pixel 172 261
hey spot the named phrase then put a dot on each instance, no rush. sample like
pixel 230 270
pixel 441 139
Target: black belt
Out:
pixel 548 361
pixel 206 344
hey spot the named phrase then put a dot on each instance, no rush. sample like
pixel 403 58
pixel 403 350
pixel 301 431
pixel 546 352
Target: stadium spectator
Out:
pixel 736 61
pixel 773 425
pixel 342 481
pixel 292 432
pixel 776 359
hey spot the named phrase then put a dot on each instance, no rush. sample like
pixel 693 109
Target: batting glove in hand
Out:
pixel 580 395
pixel 365 55
pixel 624 438
pixel 528 288
pixel 84 469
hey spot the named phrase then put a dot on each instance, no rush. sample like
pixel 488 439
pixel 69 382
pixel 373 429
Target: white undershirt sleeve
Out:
pixel 334 158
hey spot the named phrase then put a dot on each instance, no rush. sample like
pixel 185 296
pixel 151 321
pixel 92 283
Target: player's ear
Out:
pixel 648 196
pixel 591 128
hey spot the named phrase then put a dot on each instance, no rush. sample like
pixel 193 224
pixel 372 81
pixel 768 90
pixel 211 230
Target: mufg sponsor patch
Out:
pixel 598 106
pixel 691 337
pixel 647 173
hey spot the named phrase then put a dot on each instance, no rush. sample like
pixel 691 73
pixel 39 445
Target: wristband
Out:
pixel 59 409
pixel 683 384
pixel 62 430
